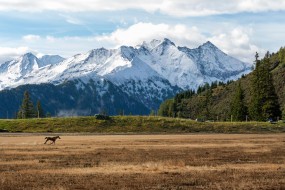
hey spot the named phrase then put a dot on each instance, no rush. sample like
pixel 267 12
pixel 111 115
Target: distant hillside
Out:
pixel 214 102
pixel 72 98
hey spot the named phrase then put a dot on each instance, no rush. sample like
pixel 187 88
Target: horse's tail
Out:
pixel 46 138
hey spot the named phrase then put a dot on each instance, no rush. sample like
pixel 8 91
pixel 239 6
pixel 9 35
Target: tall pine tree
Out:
pixel 40 112
pixel 270 107
pixel 238 108
pixel 255 103
pixel 166 109
pixel 27 108
pixel 206 104
pixel 264 103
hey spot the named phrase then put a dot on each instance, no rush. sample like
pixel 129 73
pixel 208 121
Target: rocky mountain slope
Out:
pixel 148 73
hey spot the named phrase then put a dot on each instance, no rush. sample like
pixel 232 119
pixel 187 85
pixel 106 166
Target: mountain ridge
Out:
pixel 149 73
pixel 206 63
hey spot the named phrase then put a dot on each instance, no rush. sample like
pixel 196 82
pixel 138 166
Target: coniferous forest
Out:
pixel 28 110
pixel 258 96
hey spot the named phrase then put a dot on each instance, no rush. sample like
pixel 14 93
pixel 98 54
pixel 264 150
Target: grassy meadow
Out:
pixel 193 161
pixel 135 124
pixel 140 152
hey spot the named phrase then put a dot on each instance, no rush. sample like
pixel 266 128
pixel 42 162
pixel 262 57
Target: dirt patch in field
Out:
pixel 143 162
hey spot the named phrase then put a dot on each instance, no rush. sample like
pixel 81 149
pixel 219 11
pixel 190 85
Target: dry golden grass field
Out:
pixel 202 161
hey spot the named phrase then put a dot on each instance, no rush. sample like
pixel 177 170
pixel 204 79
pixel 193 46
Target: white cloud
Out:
pixel 71 20
pixel 235 42
pixel 31 37
pixel 8 53
pixel 178 8
pixel 50 39
pixel 140 32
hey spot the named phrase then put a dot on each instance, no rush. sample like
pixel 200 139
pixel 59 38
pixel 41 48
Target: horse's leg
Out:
pixel 46 141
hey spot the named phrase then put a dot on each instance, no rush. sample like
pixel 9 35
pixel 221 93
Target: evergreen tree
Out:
pixel 207 103
pixel 270 107
pixel 238 108
pixel 48 114
pixel 152 113
pixel 40 112
pixel 166 109
pixel 264 102
pixel 281 55
pixel 27 108
pixel 255 104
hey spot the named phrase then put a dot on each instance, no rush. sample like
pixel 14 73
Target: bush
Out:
pixel 102 117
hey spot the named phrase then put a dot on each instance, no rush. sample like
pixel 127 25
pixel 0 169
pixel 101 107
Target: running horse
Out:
pixel 53 139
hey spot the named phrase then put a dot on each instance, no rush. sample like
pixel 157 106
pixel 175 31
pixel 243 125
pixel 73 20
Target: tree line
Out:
pixel 175 107
pixel 204 103
pixel 264 103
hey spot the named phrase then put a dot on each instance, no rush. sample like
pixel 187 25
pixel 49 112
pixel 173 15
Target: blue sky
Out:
pixel 67 27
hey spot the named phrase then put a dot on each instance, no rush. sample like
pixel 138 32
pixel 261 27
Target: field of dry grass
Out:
pixel 209 161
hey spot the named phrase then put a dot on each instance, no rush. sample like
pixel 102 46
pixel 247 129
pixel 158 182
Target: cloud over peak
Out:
pixel 7 53
pixel 235 42
pixel 139 32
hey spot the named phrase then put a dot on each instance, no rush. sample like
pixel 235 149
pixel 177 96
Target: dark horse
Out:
pixel 53 139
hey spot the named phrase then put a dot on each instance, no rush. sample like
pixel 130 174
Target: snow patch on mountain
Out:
pixel 212 62
pixel 167 60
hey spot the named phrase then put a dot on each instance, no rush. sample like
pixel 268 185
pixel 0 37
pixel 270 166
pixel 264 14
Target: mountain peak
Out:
pixel 209 44
pixel 53 56
pixel 50 60
pixel 150 45
pixel 127 52
pixel 29 55
pixel 155 43
pixel 28 58
pixel 100 52
pixel 102 49
pixel 166 41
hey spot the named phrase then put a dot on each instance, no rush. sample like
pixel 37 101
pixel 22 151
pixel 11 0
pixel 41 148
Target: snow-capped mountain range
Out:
pixel 150 72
